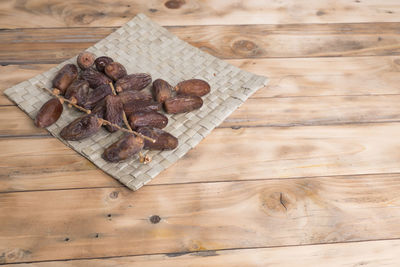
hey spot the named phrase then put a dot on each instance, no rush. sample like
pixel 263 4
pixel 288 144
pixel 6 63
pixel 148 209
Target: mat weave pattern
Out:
pixel 143 46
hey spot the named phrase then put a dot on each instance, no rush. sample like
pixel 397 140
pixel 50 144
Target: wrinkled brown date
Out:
pixel 78 90
pixel 81 128
pixel 150 119
pixel 115 70
pixel 182 103
pixel 49 113
pixel 65 76
pixel 85 60
pixel 131 96
pixel 94 78
pixel 162 90
pixel 96 95
pixel 163 139
pixel 113 112
pixel 102 62
pixel 136 82
pixel 100 109
pixel 139 105
pixel 193 87
pixel 124 148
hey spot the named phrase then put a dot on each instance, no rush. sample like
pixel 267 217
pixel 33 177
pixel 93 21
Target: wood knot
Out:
pixel 155 219
pixel 174 4
pixel 14 255
pixel 245 47
pixel 114 194
pixel 83 19
pixel 275 202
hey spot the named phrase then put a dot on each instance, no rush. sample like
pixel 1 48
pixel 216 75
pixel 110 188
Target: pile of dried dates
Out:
pixel 90 88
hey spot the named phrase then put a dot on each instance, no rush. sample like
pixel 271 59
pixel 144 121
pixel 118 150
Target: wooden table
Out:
pixel 306 172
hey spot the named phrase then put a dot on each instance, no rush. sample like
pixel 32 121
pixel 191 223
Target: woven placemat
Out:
pixel 143 46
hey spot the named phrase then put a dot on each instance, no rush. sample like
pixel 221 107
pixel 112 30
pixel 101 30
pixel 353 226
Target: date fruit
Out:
pixel 95 78
pixel 131 96
pixel 124 148
pixel 193 87
pixel 113 112
pixel 136 82
pixel 49 113
pixel 65 76
pixel 96 95
pixel 150 119
pixel 115 70
pixel 182 103
pixel 102 62
pixel 81 128
pixel 139 105
pixel 78 90
pixel 100 109
pixel 85 60
pixel 163 139
pixel 162 90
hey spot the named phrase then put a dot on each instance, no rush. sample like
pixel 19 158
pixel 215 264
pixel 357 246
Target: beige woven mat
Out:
pixel 143 46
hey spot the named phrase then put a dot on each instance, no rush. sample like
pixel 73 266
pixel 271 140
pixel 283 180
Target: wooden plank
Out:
pixel 320 110
pixel 73 224
pixel 244 41
pixel 14 122
pixel 288 77
pixel 244 154
pixel 46 162
pixel 325 76
pixel 21 14
pixel 267 112
pixel 372 253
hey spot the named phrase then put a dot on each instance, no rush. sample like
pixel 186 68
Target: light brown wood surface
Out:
pixel 305 173
pixel 204 216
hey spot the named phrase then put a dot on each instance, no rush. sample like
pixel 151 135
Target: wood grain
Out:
pixel 244 154
pixel 36 164
pixel 40 13
pixel 320 110
pixel 265 112
pixel 97 222
pixel 325 76
pixel 245 41
pixel 274 190
pixel 374 253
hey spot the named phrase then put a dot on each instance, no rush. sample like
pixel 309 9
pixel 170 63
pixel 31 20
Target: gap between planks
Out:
pixel 236 127
pixel 322 177
pixel 99 13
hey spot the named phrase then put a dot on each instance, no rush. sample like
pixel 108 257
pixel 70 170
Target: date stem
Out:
pixel 125 119
pixel 105 122
pixel 55 93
